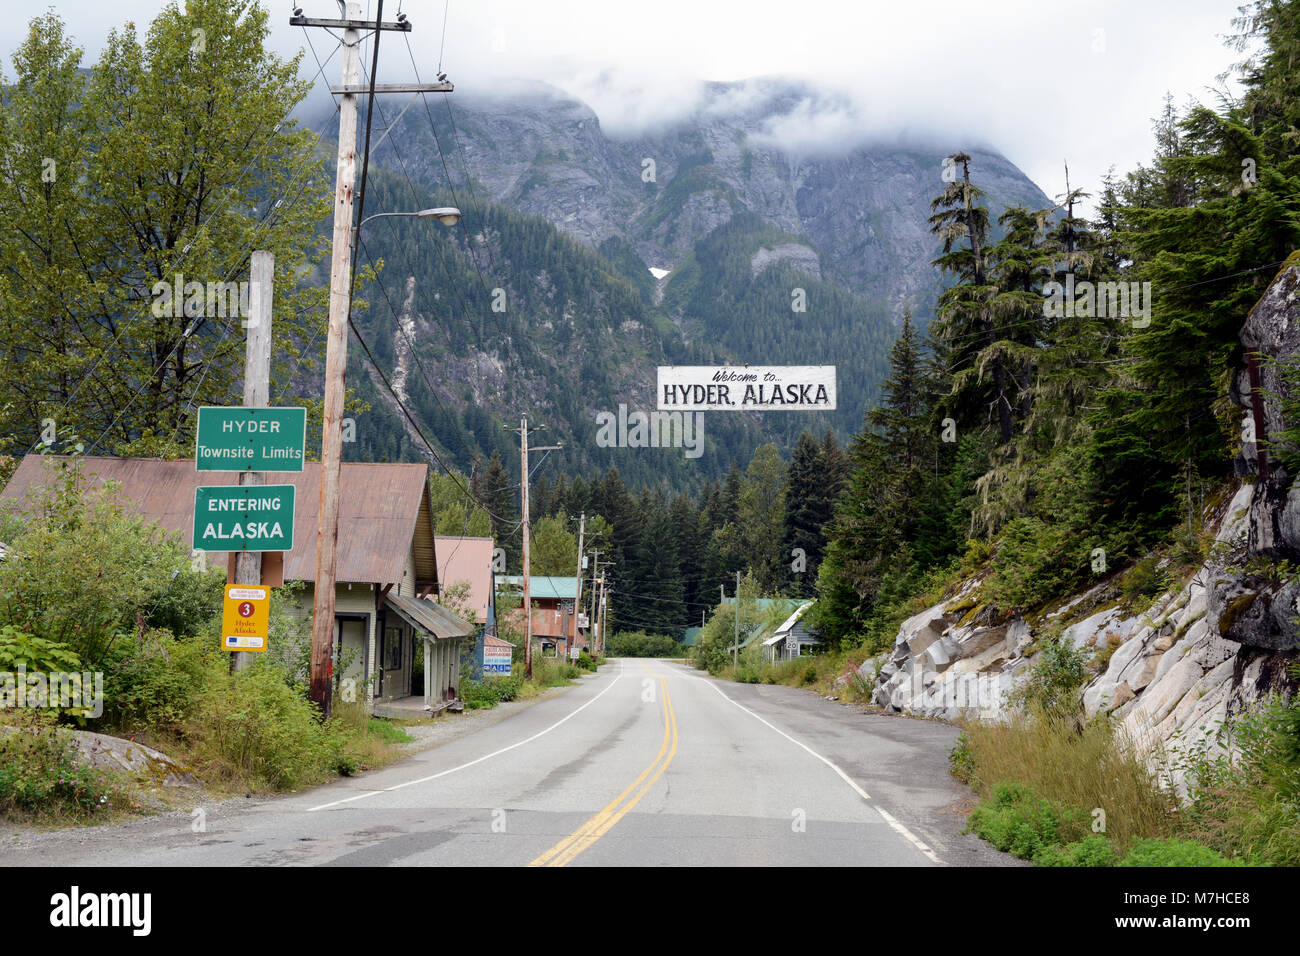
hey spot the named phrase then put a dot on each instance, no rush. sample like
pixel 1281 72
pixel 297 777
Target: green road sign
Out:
pixel 250 439
pixel 243 517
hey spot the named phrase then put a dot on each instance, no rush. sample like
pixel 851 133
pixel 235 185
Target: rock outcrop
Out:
pixel 1173 674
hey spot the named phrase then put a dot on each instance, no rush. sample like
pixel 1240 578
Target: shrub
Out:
pixel 961 762
pixel 1145 579
pixel 1174 852
pixel 1018 820
pixel 1055 680
pixel 1094 850
pixel 40 773
pixel 641 644
pixel 1094 767
pixel 152 682
pixel 1247 794
pixel 489 691
pixel 73 526
pixel 33 653
pixel 254 727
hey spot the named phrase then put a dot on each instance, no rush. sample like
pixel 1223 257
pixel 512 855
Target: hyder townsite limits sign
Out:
pixel 250 439
pixel 248 517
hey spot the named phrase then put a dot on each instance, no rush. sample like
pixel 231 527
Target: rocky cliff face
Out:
pixel 859 209
pixel 1202 652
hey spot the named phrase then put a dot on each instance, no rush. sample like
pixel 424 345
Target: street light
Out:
pixel 447 215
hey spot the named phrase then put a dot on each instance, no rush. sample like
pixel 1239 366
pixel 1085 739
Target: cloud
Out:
pixel 1041 81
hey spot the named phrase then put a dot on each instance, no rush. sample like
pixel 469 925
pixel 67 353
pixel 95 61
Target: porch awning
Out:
pixel 433 621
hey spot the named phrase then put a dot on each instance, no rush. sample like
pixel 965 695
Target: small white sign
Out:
pixel 248 594
pixel 746 388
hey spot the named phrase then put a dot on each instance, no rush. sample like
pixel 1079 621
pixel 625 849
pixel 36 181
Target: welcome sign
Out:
pixel 741 388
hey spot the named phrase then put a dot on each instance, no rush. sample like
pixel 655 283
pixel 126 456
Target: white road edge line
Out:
pixel 495 753
pixel 886 815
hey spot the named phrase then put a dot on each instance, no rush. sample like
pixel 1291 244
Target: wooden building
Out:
pixel 394 646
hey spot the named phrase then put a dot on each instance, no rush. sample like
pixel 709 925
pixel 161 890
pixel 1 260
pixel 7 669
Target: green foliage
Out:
pixel 40 774
pixel 151 681
pixel 45 589
pixel 1174 852
pixel 33 653
pixel 185 151
pixel 1246 786
pixel 641 644
pixel 456 514
pixel 1054 682
pixel 750 668
pixel 712 649
pixel 553 548
pixel 1094 850
pixel 487 692
pixel 1018 820
pixel 1145 579
pixel 254 727
pixel 961 762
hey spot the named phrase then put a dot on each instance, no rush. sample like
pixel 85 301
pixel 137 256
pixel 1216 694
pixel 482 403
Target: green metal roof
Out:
pixel 543 586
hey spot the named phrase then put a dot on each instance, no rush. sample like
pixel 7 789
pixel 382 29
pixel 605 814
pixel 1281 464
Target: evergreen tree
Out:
pixel 497 492
pixel 878 512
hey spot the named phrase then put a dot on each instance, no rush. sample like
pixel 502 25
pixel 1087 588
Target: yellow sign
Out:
pixel 246 617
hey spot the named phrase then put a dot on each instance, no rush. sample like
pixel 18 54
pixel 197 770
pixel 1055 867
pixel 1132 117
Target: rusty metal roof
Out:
pixel 383 510
pixel 426 616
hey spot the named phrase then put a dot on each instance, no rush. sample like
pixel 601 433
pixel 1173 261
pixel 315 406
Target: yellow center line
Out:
pixel 604 826
pixel 600 823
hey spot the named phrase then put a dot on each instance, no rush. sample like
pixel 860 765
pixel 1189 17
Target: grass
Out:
pixel 1090 768
pixel 547 672
pixel 816 672
pixel 1054 789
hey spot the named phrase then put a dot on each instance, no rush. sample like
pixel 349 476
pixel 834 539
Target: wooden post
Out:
pixel 336 357
pixel 257 394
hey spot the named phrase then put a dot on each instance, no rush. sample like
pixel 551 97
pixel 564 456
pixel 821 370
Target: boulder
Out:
pixel 114 753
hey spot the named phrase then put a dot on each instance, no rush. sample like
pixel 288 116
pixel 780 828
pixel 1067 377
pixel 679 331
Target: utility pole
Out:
pixel 604 613
pixel 523 430
pixel 597 590
pixel 577 597
pixel 336 342
pixel 591 619
pixel 528 604
pixel 604 618
pixel 257 393
pixel 735 647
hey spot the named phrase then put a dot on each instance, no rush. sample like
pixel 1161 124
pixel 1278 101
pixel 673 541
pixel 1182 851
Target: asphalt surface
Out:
pixel 647 763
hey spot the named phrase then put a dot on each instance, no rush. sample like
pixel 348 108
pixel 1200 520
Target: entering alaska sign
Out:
pixel 243 517
pixel 746 388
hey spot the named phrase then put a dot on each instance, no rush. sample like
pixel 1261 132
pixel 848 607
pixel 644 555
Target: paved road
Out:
pixel 648 763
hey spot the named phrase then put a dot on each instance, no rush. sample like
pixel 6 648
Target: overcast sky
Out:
pixel 1040 80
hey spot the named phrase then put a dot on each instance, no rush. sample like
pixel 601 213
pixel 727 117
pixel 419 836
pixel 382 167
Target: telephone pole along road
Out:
pixel 647 763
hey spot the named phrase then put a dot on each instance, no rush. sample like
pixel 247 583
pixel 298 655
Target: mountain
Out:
pixel 737 207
